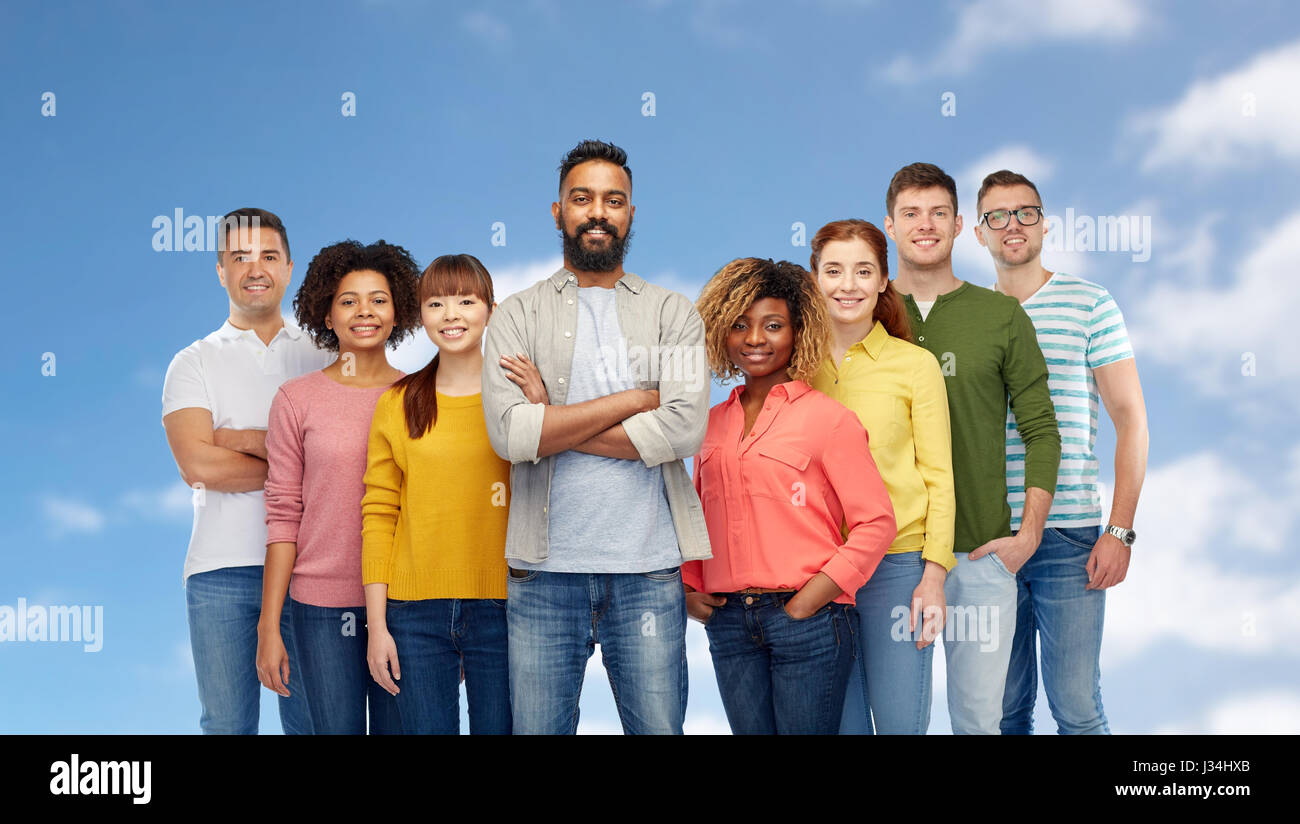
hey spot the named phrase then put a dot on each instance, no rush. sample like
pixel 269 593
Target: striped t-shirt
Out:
pixel 1079 328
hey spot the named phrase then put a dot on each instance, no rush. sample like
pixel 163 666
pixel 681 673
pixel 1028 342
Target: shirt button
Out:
pixel 570 301
pixel 570 277
pixel 544 510
pixel 561 380
pixel 921 338
pixel 568 334
pixel 848 358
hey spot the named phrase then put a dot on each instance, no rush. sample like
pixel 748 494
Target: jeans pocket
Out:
pixel 668 574
pixel 522 576
pixel 1079 537
pixel 496 602
pixel 821 613
pixel 997 562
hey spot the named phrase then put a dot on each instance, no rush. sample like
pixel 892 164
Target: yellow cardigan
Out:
pixel 896 389
pixel 435 509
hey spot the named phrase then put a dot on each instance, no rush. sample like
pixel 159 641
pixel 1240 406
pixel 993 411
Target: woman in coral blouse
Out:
pixel 798 517
pixel 896 389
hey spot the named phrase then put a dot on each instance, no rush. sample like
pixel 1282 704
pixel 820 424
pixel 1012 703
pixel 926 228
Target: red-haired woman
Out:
pixel 896 389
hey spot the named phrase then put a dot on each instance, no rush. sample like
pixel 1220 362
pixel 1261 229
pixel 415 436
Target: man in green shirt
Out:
pixel 988 351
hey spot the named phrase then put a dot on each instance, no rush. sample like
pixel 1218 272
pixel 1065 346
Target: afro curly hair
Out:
pixel 737 286
pixel 316 295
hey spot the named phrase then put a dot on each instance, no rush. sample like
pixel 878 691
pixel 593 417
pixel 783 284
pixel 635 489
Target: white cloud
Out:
pixel 1267 712
pixel 1196 512
pixel 1240 117
pixel 487 27
pixel 173 502
pixel 1212 332
pixel 1002 27
pixel 417 350
pixel 65 515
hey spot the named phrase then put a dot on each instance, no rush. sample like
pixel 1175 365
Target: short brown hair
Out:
pixel 919 176
pixel 245 216
pixel 1004 177
pixel 889 306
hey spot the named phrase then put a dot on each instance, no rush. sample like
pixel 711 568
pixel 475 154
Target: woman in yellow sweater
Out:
pixel 434 523
pixel 896 389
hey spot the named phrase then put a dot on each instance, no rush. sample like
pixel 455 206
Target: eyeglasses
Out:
pixel 1001 218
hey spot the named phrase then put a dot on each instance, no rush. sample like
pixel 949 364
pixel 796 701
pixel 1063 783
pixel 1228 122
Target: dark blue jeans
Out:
pixel 433 638
pixel 332 646
pixel 557 618
pixel 223 607
pixel 1065 620
pixel 778 675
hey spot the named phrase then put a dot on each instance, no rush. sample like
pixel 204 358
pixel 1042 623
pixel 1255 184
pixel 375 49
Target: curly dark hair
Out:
pixel 744 281
pixel 316 295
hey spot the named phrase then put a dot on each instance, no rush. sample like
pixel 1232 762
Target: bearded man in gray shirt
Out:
pixel 602 510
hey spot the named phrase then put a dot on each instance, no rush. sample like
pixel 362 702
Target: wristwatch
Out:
pixel 1126 536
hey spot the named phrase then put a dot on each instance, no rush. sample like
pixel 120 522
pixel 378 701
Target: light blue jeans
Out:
pixel 889 687
pixel 977 640
pixel 1066 620
pixel 223 607
pixel 555 621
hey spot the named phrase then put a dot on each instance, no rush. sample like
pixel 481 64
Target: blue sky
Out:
pixel 763 118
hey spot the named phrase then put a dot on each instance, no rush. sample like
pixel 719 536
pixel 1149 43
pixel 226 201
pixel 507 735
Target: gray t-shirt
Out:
pixel 606 514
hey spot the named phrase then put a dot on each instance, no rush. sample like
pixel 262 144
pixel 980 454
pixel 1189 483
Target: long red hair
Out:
pixel 889 309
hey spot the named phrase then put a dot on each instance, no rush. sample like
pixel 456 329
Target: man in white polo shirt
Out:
pixel 216 398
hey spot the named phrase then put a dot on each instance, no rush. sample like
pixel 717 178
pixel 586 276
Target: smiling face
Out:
pixel 1012 245
pixel 455 323
pixel 594 214
pixel 924 225
pixel 851 279
pixel 761 341
pixel 361 313
pixel 256 273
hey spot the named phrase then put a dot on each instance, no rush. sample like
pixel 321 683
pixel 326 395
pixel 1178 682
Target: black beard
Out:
pixel 595 260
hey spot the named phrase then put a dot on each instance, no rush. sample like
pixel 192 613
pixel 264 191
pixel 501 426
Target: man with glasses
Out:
pixel 989 354
pixel 1062 588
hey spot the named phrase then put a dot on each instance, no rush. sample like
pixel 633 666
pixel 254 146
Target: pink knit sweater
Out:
pixel 316 447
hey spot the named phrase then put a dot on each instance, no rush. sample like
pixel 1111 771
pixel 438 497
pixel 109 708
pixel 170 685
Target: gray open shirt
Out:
pixel 665 339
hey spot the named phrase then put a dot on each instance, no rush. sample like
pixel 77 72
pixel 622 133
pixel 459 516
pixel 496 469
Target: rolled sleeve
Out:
pixel 676 429
pixel 868 513
pixel 514 425
pixel 932 436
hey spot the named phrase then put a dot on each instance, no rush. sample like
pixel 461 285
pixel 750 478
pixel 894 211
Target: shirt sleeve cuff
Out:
pixel 281 532
pixel 845 575
pixel 645 433
pixel 525 435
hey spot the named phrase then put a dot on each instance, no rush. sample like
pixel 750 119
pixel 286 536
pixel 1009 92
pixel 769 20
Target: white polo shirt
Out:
pixel 233 375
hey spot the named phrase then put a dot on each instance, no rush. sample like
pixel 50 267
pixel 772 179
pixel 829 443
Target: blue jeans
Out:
pixel 223 607
pixel 890 685
pixel 332 646
pixel 1067 620
pixel 433 638
pixel 977 638
pixel 557 618
pixel 778 675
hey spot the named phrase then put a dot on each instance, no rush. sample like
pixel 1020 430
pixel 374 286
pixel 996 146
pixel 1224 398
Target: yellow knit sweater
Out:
pixel 435 509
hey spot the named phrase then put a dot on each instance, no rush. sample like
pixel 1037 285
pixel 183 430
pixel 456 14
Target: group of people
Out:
pixel 903 460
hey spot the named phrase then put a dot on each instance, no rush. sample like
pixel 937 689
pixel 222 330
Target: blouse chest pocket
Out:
pixel 779 471
pixel 886 417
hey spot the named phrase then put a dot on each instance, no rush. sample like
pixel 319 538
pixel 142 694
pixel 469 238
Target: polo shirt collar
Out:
pixel 632 282
pixel 229 331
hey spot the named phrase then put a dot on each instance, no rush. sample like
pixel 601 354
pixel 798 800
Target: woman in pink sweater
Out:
pixel 354 300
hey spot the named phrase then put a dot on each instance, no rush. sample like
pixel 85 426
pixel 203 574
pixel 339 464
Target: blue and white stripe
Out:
pixel 1079 329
